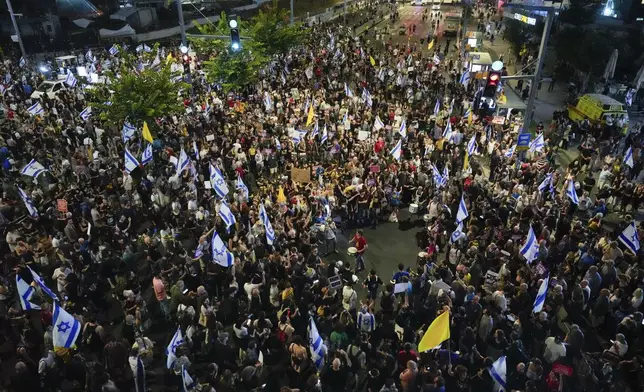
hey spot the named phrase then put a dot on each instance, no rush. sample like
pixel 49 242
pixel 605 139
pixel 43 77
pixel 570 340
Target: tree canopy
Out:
pixel 270 28
pixel 586 50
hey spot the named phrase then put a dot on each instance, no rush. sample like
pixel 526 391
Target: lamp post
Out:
pixel 181 23
pixel 15 27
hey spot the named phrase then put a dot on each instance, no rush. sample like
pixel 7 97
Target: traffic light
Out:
pixel 186 63
pixel 493 80
pixel 235 42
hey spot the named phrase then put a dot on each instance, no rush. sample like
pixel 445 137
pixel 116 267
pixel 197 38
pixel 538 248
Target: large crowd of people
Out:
pixel 210 264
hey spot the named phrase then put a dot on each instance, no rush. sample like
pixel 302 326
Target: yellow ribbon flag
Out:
pixel 470 118
pixel 437 333
pixel 466 161
pixel 502 100
pixel 146 133
pixel 281 198
pixel 169 58
pixel 309 119
pixel 372 61
pixel 430 45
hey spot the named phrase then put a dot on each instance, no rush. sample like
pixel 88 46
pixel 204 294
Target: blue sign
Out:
pixel 523 142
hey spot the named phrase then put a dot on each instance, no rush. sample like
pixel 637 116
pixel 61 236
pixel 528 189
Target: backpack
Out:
pixel 281 335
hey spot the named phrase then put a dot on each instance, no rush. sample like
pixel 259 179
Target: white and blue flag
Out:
pixel 465 78
pixel 25 292
pixel 239 185
pixel 171 350
pixel 571 192
pixel 325 135
pixel 42 285
pixel 530 248
pixel 66 328
pixel 458 233
pixel 70 80
pixel 33 211
pixel 438 179
pixel 86 113
pixel 35 109
pixel 278 145
pixel 187 381
pixel 541 295
pixel 195 149
pixel 348 91
pixel 498 372
pixel 182 162
pixel 537 144
pixel 396 152
pixel 367 97
pixel 630 238
pixel 114 50
pixel 268 228
pixel 510 152
pixel 447 132
pixel 22 62
pixel 317 346
pixel 378 124
pixel 147 155
pixel 316 130
pixel 403 129
pixel 218 182
pixel 220 254
pixel 628 157
pixel 545 183
pixel 128 131
pixel 131 163
pixel 268 103
pixel 445 175
pixel 227 215
pixel 437 107
pixel 471 145
pixel 462 213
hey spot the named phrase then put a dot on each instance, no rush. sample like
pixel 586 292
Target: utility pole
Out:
pixel 292 14
pixel 344 16
pixel 184 42
pixel 536 79
pixel 15 27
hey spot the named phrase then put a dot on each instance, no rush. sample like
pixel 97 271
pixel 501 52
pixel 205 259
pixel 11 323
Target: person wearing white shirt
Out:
pixel 619 347
pixel 555 349
pixel 349 297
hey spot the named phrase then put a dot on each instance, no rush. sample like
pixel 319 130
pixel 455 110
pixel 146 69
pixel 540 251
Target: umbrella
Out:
pixel 639 78
pixel 609 71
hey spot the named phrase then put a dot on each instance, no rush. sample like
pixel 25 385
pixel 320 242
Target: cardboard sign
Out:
pixel 335 282
pixel 363 135
pixel 401 287
pixel 61 205
pixel 301 175
pixel 374 168
pixel 498 120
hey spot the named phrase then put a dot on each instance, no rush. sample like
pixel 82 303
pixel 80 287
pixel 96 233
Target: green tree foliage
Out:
pixel 138 95
pixel 586 50
pixel 581 12
pixel 517 34
pixel 271 30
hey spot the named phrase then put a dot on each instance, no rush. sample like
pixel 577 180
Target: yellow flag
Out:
pixel 146 133
pixel 90 153
pixel 502 99
pixel 470 118
pixel 169 58
pixel 372 61
pixel 309 119
pixel 466 162
pixel 280 196
pixel 437 333
pixel 430 45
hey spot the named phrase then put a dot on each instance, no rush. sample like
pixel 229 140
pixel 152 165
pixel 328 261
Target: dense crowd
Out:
pixel 209 264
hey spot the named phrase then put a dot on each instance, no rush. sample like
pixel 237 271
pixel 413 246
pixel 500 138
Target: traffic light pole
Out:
pixel 184 42
pixel 15 27
pixel 536 78
pixel 292 14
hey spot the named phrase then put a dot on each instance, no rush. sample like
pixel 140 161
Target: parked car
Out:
pixel 51 88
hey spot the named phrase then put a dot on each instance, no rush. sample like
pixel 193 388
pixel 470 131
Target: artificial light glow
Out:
pixel 183 49
pixel 232 23
pixel 235 46
pixel 497 65
pixel 494 77
pixel 43 68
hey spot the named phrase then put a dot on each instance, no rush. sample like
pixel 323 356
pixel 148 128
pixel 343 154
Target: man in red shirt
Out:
pixel 361 246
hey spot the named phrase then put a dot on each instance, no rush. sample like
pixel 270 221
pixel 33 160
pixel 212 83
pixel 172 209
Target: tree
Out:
pixel 585 50
pixel 581 12
pixel 137 92
pixel 271 30
pixel 517 34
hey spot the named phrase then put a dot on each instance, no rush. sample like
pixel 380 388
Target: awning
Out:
pixel 124 31
pixel 82 22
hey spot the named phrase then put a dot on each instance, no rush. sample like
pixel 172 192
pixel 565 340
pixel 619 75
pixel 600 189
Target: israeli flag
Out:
pixel 348 91
pixel 378 124
pixel 630 238
pixel 226 215
pixel 114 50
pixel 325 135
pixel 218 182
pixel 537 144
pixel 546 181
pixel 437 107
pixel 2 89
pixel 458 233
pixel 438 179
pixel 182 162
pixel 628 157
pixel 498 373
pixel 541 295
pixel 467 113
pixel 195 149
pixel 187 381
pixel 447 132
pixel 278 145
pixel 128 132
pixel 451 106
pixel 25 292
pixel 318 348
pixel 445 176
pixel 130 161
pixel 220 254
pixel 239 185
pixel 396 152
pixel 156 61
pixel 22 62
pixel 35 109
pixel 381 74
pixel 171 350
pixel 147 155
pixel 268 103
pixel 268 228
pixel 316 129
pixel 367 97
pixel 471 145
pixel 437 60
pixel 139 376
pixel 465 78
pixel 70 80
pixel 462 213
pixel 86 113
pixel 33 211
pixel 297 137
pixel 66 327
pixel 403 129
pixel 571 192
pixel 530 248
pixel 510 152
pixel 33 169
pixel 42 285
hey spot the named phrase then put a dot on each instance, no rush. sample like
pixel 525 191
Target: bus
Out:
pixel 452 22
